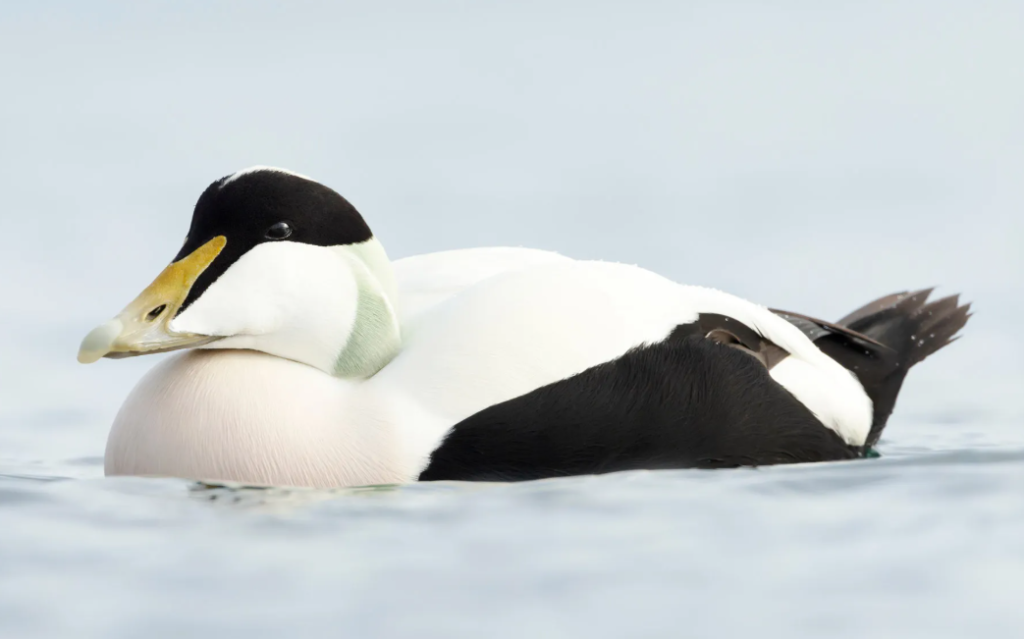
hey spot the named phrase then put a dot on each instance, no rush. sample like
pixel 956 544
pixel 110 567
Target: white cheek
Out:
pixel 289 299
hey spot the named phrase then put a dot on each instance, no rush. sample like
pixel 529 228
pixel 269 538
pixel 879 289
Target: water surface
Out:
pixel 926 541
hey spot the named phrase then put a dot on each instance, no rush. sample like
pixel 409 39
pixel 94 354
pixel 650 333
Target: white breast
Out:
pixel 250 417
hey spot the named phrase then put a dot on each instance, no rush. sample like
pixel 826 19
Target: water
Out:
pixel 915 544
pixel 811 159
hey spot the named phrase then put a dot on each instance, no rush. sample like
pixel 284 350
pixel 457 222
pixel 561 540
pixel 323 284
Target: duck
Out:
pixel 307 358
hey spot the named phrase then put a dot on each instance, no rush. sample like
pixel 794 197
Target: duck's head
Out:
pixel 275 262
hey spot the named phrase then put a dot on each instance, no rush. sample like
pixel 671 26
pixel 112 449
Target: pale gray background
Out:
pixel 806 155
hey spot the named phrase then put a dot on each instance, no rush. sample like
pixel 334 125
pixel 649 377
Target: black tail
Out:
pixel 914 329
pixel 880 341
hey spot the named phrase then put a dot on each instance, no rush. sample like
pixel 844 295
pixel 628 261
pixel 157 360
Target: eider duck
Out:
pixel 310 359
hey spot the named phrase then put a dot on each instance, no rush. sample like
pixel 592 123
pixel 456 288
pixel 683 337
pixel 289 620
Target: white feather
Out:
pixel 255 418
pixel 296 301
pixel 426 280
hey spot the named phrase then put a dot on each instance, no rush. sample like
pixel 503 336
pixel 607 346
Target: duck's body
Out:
pixel 270 420
pixel 478 364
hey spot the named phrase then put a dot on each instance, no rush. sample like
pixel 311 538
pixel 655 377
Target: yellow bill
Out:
pixel 143 326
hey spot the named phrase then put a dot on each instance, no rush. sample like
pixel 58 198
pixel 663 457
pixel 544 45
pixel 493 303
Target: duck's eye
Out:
pixel 279 231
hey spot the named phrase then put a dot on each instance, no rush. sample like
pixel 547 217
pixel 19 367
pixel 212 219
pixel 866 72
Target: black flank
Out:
pixel 687 402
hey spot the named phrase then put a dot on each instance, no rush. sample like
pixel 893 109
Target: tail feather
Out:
pixel 943 319
pixel 872 308
pixel 880 341
pixel 909 324
pixel 914 329
pixel 877 318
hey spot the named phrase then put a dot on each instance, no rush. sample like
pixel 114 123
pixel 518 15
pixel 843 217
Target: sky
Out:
pixel 805 155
